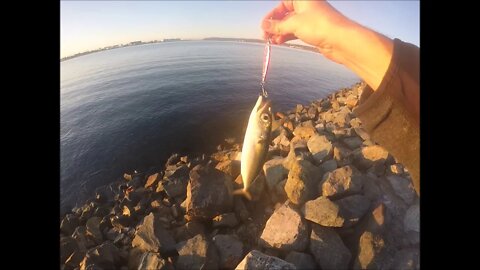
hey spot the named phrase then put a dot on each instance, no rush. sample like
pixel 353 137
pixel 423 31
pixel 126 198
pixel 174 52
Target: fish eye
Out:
pixel 265 117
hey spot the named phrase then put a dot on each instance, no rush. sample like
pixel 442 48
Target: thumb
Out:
pixel 280 27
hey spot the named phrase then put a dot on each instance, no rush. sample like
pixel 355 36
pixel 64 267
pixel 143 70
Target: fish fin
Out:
pixel 244 193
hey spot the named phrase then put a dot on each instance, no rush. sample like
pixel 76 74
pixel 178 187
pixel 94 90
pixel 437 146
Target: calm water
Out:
pixel 130 108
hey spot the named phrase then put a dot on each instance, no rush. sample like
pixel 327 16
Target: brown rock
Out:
pixel 342 181
pixel 370 156
pixel 230 250
pixel 151 236
pixel 152 180
pixel 197 253
pixel 303 177
pixel 324 212
pixel 320 147
pixel 255 260
pixel 285 230
pixel 230 167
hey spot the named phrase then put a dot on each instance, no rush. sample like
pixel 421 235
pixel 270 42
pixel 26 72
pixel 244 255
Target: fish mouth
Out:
pixel 264 104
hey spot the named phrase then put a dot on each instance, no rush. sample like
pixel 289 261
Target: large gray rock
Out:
pixel 230 250
pixel 342 181
pixel 196 253
pixel 328 248
pixel 93 228
pixel 209 193
pixel 353 142
pixel 151 236
pixel 328 165
pixel 188 230
pixel 105 256
pixel 285 230
pixel 175 181
pixel 411 224
pixel 68 246
pixel 150 260
pixel 303 178
pixel 324 212
pixel 275 172
pixel 230 167
pixel 301 260
pixel 342 155
pixel 403 187
pixel 69 223
pixel 407 259
pixel 320 147
pixel 353 208
pixel 225 220
pixel 298 151
pixel 255 260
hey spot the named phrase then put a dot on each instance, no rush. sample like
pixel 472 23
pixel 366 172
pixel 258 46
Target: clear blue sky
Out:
pixel 87 25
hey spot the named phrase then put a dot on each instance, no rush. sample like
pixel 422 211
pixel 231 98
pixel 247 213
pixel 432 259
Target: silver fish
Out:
pixel 255 143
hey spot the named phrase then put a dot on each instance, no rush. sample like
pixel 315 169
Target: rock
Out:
pixel 301 260
pixel 342 117
pixel 361 133
pixel 73 262
pixel 209 193
pixel 411 224
pixel 342 155
pixel 320 147
pixel 138 180
pixel 370 156
pixel 324 212
pixel 396 168
pixel 127 177
pixel 353 142
pixel 68 246
pixel 93 228
pixel 407 259
pixel 101 211
pixel 84 241
pixel 305 131
pixel 196 253
pixel 241 209
pixel 312 113
pixel 403 187
pixel 298 151
pixel 372 253
pixel 355 123
pixel 299 108
pixel 150 260
pixel 151 236
pixel 175 185
pixel 328 165
pixel 152 180
pixel 230 167
pixel 280 189
pixel 281 140
pixel 328 248
pixel 69 223
pixel 225 220
pixel 302 181
pixel 259 261
pixel 275 172
pixel 351 101
pixel 105 256
pixel 285 230
pixel 342 181
pixel 230 250
pixel 172 160
pixel 353 208
pixel 188 230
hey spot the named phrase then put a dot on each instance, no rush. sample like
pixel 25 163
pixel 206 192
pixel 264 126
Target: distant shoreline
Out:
pixel 137 43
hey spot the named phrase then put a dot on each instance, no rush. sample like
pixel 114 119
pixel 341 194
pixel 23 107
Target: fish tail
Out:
pixel 244 193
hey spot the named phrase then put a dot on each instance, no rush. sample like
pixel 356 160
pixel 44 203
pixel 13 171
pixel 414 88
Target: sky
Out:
pixel 88 25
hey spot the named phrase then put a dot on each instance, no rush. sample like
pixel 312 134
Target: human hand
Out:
pixel 314 22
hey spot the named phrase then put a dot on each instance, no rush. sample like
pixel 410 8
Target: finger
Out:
pixel 283 27
pixel 279 11
pixel 284 38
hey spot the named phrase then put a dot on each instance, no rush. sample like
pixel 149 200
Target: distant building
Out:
pixel 135 42
pixel 171 39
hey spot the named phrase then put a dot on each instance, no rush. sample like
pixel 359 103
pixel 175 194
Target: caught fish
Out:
pixel 255 143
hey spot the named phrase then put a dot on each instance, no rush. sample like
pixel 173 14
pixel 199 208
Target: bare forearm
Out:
pixel 365 52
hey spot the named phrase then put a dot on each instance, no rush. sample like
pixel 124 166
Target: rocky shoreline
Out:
pixel 328 198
